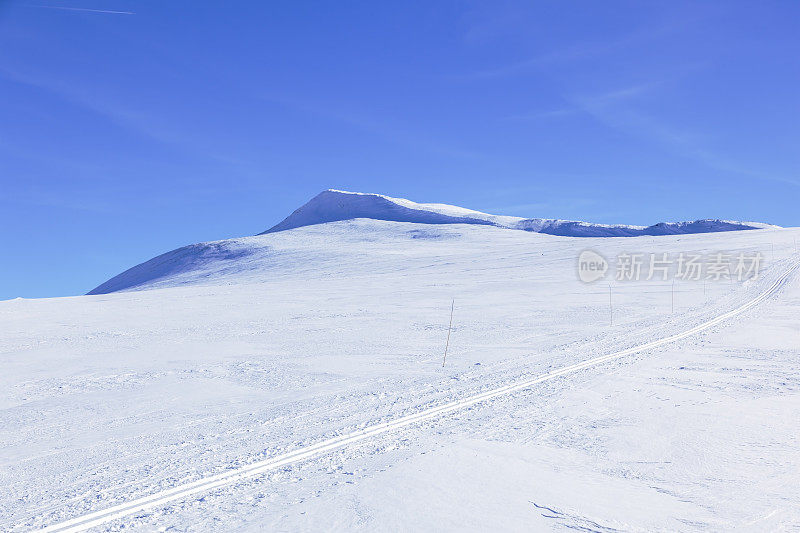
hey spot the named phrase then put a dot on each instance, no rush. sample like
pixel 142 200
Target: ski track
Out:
pixel 98 518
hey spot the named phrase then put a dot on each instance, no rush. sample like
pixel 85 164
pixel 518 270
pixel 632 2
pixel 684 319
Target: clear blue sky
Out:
pixel 130 128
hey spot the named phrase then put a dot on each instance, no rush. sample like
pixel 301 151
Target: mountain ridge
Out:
pixel 334 205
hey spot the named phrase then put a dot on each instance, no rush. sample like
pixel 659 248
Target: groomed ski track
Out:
pixel 98 518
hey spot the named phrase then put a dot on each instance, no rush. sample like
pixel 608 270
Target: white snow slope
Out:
pixel 333 206
pixel 289 341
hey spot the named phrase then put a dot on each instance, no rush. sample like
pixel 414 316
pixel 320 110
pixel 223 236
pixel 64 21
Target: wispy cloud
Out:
pixel 615 96
pixel 129 118
pixel 624 109
pixel 547 114
pixel 577 52
pixel 85 10
pixel 156 128
pixel 586 104
pixel 384 129
pixel 614 110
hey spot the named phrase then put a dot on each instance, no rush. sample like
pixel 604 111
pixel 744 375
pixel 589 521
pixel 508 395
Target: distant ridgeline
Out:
pixel 333 205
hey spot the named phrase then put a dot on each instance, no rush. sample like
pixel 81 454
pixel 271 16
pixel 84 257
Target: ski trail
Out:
pixel 94 519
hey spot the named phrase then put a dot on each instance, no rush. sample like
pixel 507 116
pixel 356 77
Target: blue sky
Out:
pixel 130 128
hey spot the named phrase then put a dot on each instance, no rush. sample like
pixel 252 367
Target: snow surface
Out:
pixel 333 205
pixel 211 260
pixel 231 352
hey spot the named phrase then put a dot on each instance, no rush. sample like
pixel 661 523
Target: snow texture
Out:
pixel 233 352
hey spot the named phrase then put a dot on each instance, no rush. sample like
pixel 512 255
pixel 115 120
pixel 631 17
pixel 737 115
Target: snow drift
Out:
pixel 333 205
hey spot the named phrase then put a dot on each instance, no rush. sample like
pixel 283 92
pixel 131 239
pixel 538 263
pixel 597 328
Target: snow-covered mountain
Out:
pixel 303 240
pixel 333 205
pixel 296 381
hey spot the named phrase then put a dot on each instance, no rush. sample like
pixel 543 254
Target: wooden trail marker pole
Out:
pixel 449 328
pixel 673 296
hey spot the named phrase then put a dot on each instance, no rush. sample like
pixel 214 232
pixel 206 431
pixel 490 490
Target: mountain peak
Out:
pixel 334 205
